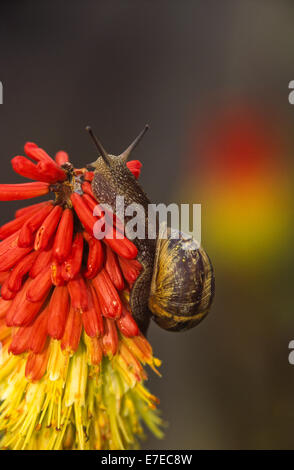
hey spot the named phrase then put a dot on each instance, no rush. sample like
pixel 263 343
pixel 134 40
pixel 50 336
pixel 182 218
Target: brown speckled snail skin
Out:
pixel 176 284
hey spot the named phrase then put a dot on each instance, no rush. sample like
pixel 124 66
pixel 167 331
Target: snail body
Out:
pixel 176 284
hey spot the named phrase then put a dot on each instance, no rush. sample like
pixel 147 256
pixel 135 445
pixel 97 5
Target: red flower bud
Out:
pixel 110 338
pixel 23 267
pixel 89 176
pixel 83 212
pixel 113 269
pixel 72 265
pixel 61 157
pixel 4 276
pixel 31 209
pixel 63 238
pixel 87 188
pixel 6 293
pixel 43 171
pixel 78 293
pixel 127 324
pixel 14 192
pixel 4 307
pixel 15 225
pixel 20 340
pixel 26 235
pixel 131 269
pixel 108 297
pixel 40 286
pixel 36 365
pixel 95 350
pixel 22 312
pixel 42 261
pixel 12 256
pixel 58 312
pixel 47 228
pixel 123 247
pixel 95 256
pixel 135 167
pixel 56 274
pixel 72 333
pixel 46 164
pixel 90 317
pixel 39 332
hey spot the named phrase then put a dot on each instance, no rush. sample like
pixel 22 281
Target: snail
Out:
pixel 176 284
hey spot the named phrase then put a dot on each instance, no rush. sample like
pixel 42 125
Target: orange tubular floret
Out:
pixel 61 158
pixel 23 267
pixel 22 312
pixel 43 259
pixel 95 351
pixel 36 153
pixel 26 312
pixel 72 265
pixel 135 167
pixel 3 276
pixel 127 324
pixel 4 307
pixel 108 297
pixel 43 171
pixel 78 293
pixel 5 332
pixel 6 293
pixel 110 338
pixel 40 286
pixel 15 192
pixel 90 317
pixel 63 238
pixel 46 164
pixel 8 243
pixel 31 209
pixel 12 257
pixel 56 274
pixel 11 227
pixel 72 333
pixel 113 269
pixel 121 246
pixel 89 175
pixel 95 256
pixel 97 309
pixel 58 312
pixel 130 269
pixel 36 365
pixel 26 235
pixel 39 333
pixel 131 362
pixel 83 212
pixel 87 188
pixel 47 228
pixel 20 340
pixel 19 298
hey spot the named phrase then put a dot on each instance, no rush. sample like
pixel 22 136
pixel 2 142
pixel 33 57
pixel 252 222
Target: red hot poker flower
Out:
pixel 63 307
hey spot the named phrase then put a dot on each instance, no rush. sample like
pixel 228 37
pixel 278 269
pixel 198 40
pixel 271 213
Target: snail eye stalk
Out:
pixel 102 152
pixel 126 154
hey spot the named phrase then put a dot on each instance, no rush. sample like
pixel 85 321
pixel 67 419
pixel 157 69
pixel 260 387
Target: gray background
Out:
pixel 116 65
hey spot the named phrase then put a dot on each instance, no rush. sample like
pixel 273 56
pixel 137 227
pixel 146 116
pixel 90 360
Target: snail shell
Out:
pixel 182 286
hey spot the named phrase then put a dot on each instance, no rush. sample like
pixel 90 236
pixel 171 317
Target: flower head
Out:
pixel 71 368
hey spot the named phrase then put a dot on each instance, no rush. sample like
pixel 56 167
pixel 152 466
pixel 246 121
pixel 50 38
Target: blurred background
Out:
pixel 211 78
